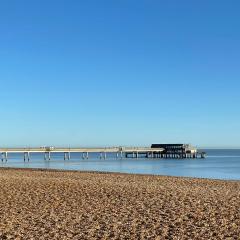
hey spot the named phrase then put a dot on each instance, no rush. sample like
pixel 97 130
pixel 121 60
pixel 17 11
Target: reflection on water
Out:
pixel 219 164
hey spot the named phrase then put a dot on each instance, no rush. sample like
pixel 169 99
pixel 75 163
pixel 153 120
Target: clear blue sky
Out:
pixel 119 72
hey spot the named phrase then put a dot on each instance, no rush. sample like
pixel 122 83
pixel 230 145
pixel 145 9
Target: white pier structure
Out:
pixel 121 152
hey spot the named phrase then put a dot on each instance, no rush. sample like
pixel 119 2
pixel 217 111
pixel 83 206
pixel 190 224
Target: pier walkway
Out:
pixel 133 152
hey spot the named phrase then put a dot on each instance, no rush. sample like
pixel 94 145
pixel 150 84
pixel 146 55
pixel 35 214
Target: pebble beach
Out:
pixel 48 204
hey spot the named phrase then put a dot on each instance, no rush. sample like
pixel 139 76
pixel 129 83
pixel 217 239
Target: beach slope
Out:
pixel 38 204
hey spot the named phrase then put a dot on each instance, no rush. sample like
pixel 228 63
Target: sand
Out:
pixel 76 205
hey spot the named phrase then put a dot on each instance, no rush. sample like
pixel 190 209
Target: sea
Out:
pixel 218 164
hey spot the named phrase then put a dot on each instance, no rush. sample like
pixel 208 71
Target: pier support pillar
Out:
pixel 3 156
pixel 28 156
pixel 49 156
pixel 105 155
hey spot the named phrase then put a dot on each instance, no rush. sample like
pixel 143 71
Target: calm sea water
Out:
pixel 219 164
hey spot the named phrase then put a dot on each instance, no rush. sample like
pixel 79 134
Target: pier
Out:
pixel 119 152
pixel 155 151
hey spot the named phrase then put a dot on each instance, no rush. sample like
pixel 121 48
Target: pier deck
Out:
pixel 133 152
pixel 155 151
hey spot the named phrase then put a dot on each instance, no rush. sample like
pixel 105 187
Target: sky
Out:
pixel 119 73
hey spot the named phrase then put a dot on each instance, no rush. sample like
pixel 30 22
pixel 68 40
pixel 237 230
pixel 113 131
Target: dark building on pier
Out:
pixel 178 151
pixel 175 148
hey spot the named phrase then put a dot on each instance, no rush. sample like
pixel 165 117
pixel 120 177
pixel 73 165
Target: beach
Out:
pixel 48 204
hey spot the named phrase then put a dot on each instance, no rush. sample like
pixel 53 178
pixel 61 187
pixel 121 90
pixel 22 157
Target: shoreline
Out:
pixel 114 173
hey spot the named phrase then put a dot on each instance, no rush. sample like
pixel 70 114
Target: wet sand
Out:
pixel 38 204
